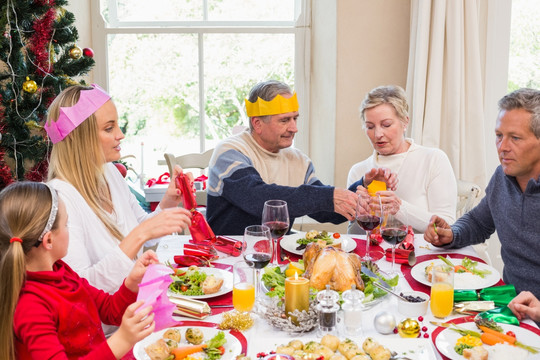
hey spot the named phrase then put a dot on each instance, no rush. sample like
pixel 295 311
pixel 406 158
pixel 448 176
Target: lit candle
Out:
pixel 296 295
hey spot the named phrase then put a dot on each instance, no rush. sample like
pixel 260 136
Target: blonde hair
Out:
pixel 24 211
pixel 390 94
pixel 79 160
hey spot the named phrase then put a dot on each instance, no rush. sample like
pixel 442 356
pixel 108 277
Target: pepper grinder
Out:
pixel 327 308
pixel 352 311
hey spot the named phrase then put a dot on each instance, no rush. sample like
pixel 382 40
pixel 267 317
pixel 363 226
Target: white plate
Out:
pixel 233 347
pixel 418 273
pixel 415 349
pixel 446 339
pixel 289 243
pixel 227 286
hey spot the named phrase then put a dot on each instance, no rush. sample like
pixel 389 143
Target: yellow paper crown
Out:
pixel 375 186
pixel 278 105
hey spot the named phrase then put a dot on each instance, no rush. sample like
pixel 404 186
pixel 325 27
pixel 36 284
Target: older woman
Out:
pixel 106 224
pixel 426 181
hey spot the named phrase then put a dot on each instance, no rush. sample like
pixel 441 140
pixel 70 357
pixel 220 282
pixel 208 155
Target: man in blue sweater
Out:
pixel 259 164
pixel 512 202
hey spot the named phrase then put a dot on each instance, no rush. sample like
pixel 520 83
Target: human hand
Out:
pixel 139 269
pixel 173 195
pixel 134 328
pixel 525 305
pixel 168 221
pixel 384 175
pixel 345 203
pixel 389 200
pixel 438 232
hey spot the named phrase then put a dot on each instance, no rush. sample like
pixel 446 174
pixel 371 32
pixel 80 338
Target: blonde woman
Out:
pixel 426 181
pixel 107 226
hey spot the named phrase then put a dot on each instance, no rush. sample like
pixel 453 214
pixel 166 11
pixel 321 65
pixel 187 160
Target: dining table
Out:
pixel 262 337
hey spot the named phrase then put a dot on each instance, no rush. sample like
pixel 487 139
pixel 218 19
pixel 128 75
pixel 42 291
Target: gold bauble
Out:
pixel 409 328
pixel 75 52
pixel 29 86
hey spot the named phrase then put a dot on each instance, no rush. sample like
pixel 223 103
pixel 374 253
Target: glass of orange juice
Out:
pixel 442 291
pixel 243 287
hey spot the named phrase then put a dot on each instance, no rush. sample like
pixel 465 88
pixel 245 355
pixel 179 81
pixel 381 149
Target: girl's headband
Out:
pixel 71 117
pixel 52 214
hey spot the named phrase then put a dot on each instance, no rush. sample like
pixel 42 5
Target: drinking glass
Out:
pixel 257 251
pixel 442 290
pixel 243 287
pixel 394 230
pixel 276 216
pixel 368 216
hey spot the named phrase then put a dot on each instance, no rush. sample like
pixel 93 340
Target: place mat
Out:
pixel 376 251
pixel 415 285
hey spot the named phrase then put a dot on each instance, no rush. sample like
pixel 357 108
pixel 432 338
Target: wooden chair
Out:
pixel 198 161
pixel 467 193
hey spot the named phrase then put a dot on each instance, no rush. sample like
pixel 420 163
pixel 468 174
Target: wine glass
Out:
pixel 276 216
pixel 257 251
pixel 394 229
pixel 368 216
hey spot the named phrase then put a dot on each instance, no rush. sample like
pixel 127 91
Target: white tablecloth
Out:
pixel 262 337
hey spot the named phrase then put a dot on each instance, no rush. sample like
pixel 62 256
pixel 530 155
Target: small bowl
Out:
pixel 413 309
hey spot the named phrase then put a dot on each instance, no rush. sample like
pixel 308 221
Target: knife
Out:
pixel 370 273
pixel 436 323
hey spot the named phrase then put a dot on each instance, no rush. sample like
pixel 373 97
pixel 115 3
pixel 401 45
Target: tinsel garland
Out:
pixel 38 172
pixel 6 177
pixel 39 41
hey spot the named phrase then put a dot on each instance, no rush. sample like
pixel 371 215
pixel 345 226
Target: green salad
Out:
pixel 274 280
pixel 187 282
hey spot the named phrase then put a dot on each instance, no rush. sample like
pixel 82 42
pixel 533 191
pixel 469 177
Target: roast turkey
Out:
pixel 330 265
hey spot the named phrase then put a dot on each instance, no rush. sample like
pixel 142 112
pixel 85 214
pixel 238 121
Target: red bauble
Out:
pixel 88 52
pixel 121 167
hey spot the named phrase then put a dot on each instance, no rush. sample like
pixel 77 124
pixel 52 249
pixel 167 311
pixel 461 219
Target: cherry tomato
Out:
pixel 184 288
pixel 221 350
pixel 511 333
pixel 336 235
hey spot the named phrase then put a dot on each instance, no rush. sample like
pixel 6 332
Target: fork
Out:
pixel 395 356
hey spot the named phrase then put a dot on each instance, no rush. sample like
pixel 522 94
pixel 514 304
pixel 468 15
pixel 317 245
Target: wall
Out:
pixel 81 10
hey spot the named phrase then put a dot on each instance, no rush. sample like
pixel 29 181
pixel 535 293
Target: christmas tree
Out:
pixel 39 57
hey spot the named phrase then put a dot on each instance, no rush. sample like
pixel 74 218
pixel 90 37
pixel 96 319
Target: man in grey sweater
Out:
pixel 512 202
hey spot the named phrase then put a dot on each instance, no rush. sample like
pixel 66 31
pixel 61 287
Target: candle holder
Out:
pixel 274 313
pixel 278 357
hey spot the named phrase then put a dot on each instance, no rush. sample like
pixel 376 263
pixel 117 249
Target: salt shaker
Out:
pixel 327 309
pixel 352 311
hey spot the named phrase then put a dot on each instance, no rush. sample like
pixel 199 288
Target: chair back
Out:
pixel 191 161
pixel 467 193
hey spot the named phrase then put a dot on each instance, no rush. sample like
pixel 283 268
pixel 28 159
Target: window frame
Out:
pixel 300 27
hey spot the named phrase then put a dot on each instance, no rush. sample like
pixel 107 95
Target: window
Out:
pixel 524 61
pixel 179 71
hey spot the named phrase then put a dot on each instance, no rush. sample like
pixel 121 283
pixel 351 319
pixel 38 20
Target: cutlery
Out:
pixel 221 306
pixel 370 273
pixel 436 323
pixel 395 356
pixel 389 291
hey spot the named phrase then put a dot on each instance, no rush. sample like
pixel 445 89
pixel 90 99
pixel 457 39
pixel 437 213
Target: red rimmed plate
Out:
pixel 236 342
pixel 445 339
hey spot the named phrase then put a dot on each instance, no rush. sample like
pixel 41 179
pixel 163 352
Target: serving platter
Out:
pixel 460 280
pixel 289 243
pixel 236 342
pixel 227 286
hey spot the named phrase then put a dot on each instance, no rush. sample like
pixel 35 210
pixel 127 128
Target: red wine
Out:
pixel 393 236
pixel 368 222
pixel 257 260
pixel 277 228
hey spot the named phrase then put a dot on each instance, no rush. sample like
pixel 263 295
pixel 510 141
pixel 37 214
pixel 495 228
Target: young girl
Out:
pixel 46 310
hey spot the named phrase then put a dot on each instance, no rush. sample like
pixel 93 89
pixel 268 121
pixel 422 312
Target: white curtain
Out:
pixel 446 82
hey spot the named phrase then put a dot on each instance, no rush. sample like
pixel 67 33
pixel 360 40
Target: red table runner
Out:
pixel 417 286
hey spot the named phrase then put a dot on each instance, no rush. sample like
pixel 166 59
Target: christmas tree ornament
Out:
pixel 409 328
pixel 88 52
pixel 75 52
pixel 29 86
pixel 384 322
